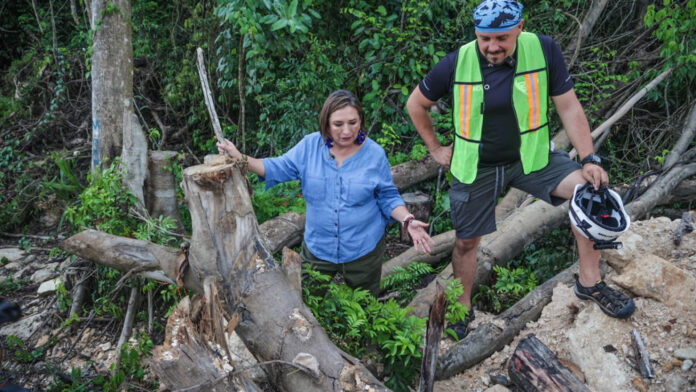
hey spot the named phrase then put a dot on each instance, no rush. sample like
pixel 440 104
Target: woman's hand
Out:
pixel 229 148
pixel 420 237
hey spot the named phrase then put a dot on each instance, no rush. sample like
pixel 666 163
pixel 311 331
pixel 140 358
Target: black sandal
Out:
pixel 460 329
pixel 612 302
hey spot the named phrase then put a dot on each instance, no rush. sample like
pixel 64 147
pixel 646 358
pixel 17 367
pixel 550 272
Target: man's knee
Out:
pixel 467 245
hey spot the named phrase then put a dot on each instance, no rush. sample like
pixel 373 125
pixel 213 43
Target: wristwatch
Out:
pixel 592 158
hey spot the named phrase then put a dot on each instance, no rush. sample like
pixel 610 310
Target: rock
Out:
pixel 49 286
pixel 687 365
pixel 42 341
pixel 639 385
pixel 13 266
pixel 592 330
pixel 499 379
pixel 653 277
pixel 105 347
pixel 686 353
pixel 11 254
pixel 44 274
pixel 497 388
pixel 25 327
pixel 677 383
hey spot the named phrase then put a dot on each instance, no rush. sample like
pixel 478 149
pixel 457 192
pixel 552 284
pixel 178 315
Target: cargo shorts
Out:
pixel 473 205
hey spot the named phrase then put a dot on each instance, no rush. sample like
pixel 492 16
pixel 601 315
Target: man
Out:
pixel 500 85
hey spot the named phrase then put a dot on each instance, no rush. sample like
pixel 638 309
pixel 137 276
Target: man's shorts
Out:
pixel 473 205
pixel 365 272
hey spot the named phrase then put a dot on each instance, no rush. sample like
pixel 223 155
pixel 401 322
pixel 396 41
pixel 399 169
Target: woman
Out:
pixel 350 194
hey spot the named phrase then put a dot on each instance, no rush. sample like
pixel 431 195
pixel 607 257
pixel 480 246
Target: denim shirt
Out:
pixel 348 208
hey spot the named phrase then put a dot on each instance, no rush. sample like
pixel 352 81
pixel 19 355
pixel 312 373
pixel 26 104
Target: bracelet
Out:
pixel 406 221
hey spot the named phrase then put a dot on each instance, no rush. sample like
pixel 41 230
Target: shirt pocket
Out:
pixel 314 189
pixel 359 193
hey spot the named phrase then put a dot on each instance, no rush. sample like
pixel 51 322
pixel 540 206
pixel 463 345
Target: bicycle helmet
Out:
pixel 599 215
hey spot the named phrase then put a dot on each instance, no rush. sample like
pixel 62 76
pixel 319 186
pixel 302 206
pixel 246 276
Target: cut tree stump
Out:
pixel 160 187
pixel 227 256
pixel 533 367
pixel 420 205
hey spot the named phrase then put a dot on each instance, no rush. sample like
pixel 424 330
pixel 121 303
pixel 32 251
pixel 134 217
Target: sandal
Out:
pixel 612 302
pixel 460 329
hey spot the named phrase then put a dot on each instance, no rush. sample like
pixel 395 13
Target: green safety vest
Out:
pixel 530 103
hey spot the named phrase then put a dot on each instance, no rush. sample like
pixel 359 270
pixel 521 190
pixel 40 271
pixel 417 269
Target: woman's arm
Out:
pixel 255 165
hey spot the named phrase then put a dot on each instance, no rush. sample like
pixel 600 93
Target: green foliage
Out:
pixel 363 326
pixel 21 352
pixel 510 286
pixel 10 284
pixel 598 82
pixel 406 280
pixel 548 256
pixel 456 311
pixel 278 200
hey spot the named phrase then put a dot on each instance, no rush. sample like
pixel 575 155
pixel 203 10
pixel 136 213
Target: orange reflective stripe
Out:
pixel 461 108
pixel 537 121
pixel 530 100
pixel 469 90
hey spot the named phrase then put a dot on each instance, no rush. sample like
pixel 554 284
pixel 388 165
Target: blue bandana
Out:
pixel 497 16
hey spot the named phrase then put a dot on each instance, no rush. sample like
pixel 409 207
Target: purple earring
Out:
pixel 361 138
pixel 329 142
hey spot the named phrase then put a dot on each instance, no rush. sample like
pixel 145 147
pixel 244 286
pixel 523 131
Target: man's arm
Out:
pixel 578 130
pixel 418 106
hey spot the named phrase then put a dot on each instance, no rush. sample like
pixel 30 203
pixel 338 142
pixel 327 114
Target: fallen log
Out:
pixel 533 367
pixel 227 251
pixel 490 337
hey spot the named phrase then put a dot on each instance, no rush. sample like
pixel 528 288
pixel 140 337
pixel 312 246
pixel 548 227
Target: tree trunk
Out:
pixel 420 205
pixel 433 333
pixel 227 252
pixel 535 368
pixel 112 78
pixel 160 188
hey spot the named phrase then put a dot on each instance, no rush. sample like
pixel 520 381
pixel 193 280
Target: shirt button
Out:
pixel 336 235
pixel 335 210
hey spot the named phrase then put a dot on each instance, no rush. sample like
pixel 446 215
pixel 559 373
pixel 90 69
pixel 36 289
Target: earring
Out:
pixel 361 138
pixel 329 142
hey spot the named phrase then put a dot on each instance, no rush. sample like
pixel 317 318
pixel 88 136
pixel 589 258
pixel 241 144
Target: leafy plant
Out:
pixel 406 280
pixel 456 311
pixel 357 322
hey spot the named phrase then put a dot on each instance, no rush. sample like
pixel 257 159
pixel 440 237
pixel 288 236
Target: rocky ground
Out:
pixel 659 275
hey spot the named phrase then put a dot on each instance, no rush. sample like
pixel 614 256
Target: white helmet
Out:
pixel 599 215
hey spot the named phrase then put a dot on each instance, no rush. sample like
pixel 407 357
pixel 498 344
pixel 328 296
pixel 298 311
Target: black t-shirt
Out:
pixel 500 134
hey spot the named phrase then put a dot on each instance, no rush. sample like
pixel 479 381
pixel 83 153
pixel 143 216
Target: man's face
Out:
pixel 496 46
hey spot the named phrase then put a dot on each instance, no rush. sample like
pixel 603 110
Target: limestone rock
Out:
pixel 49 286
pixel 592 331
pixel 497 388
pixel 12 254
pixel 686 353
pixel 23 328
pixel 653 277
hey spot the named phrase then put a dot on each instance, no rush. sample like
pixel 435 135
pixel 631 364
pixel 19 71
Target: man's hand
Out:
pixel 595 175
pixel 442 155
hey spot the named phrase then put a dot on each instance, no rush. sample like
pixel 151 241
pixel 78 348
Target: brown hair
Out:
pixel 338 100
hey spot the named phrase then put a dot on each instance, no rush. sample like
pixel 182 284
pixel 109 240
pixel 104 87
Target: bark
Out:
pixel 410 173
pixel 659 190
pixel 160 189
pixel 433 333
pixel 684 140
pixel 586 27
pixel 208 95
pixel 134 156
pixel 284 230
pixel 112 78
pixel 534 367
pixel 686 226
pixel 184 361
pixel 226 249
pixel 642 356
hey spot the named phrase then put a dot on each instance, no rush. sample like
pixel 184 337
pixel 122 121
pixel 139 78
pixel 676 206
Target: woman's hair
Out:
pixel 338 100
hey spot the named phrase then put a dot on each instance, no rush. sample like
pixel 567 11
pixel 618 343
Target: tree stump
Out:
pixel 533 368
pixel 420 205
pixel 160 187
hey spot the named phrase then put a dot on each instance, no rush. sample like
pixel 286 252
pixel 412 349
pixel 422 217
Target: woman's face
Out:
pixel 344 126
